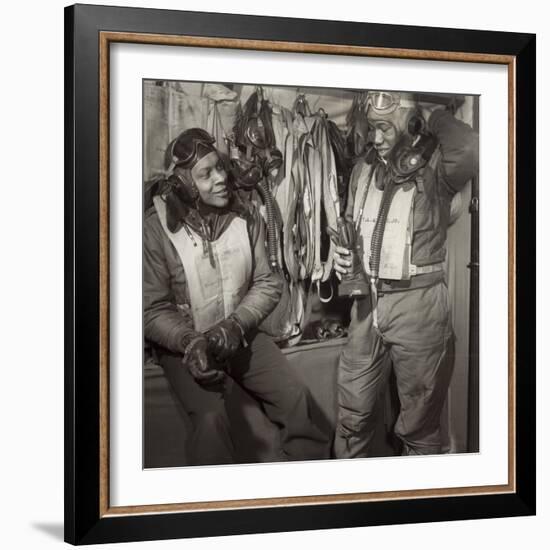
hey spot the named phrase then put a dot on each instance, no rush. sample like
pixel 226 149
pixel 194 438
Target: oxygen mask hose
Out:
pixel 376 244
pixel 272 240
pixel 379 228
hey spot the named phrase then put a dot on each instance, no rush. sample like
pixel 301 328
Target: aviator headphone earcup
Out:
pixel 185 187
pixel 416 125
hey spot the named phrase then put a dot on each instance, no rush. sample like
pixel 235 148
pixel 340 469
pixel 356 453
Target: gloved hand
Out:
pixel 195 359
pixel 347 263
pixel 224 339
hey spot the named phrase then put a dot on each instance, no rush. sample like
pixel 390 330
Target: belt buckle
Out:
pixel 383 282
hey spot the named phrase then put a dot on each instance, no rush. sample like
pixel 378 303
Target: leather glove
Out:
pixel 224 339
pixel 195 359
pixel 354 282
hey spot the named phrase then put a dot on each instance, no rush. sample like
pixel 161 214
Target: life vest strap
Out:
pixel 423 269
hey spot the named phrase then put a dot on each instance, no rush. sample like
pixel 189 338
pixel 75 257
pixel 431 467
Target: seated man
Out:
pixel 207 287
pixel 399 206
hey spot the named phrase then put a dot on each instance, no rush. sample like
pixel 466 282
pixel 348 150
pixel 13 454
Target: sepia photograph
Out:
pixel 310 273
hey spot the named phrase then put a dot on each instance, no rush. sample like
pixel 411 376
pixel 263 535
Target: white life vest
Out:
pixel 214 291
pixel 395 257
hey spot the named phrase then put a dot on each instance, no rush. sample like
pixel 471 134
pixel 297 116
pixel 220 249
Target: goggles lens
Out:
pixel 185 148
pixel 383 102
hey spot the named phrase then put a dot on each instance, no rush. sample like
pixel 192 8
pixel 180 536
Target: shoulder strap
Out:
pixel 369 178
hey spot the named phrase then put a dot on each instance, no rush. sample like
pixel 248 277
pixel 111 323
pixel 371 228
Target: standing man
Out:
pixel 399 208
pixel 207 287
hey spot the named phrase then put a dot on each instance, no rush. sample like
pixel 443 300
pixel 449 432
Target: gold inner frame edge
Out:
pixel 105 39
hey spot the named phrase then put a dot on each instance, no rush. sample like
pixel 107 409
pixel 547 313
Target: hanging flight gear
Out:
pixel 246 174
pixel 254 134
pixel 302 210
pixel 271 224
pixel 254 160
pixel 285 195
pixel 342 160
pixel 217 130
pixel 254 131
pixel 330 197
pixel 278 324
pixel 358 128
pixel 249 175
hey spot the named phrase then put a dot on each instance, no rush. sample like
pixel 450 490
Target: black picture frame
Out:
pixel 85 519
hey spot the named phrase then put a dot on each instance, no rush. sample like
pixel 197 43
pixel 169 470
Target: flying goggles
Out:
pixel 185 150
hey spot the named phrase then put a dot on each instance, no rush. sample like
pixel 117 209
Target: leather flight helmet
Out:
pixel 395 107
pixel 188 148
